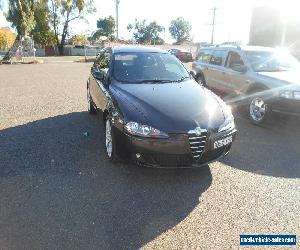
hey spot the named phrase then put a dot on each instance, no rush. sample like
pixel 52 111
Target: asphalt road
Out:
pixel 58 191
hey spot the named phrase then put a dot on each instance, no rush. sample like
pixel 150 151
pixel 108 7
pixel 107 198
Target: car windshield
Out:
pixel 269 61
pixel 142 67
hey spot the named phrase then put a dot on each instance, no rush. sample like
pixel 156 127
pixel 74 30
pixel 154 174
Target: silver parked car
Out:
pixel 262 79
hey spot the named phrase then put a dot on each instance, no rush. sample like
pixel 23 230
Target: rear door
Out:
pixel 218 78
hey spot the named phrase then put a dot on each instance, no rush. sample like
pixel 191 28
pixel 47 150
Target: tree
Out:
pixel 41 33
pixel 99 35
pixel 21 15
pixel 62 12
pixel 7 38
pixel 180 30
pixel 78 40
pixel 96 35
pixel 146 33
pixel 106 27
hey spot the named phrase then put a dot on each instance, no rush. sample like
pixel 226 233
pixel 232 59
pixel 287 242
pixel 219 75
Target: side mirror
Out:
pixel 98 75
pixel 240 68
pixel 192 73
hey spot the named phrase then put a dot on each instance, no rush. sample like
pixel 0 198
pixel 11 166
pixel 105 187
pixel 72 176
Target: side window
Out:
pixel 218 57
pixel 204 56
pixel 200 56
pixel 102 60
pixel 124 66
pixel 170 65
pixel 233 60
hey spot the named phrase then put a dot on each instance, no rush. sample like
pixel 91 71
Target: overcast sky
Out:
pixel 232 17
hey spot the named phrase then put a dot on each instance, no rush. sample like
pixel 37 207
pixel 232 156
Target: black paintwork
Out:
pixel 170 107
pixel 174 108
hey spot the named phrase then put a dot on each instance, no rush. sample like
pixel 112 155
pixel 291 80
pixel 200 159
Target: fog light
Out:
pixel 139 158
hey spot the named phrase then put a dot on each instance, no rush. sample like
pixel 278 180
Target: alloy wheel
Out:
pixel 108 139
pixel 91 108
pixel 258 109
pixel 200 80
pixel 89 99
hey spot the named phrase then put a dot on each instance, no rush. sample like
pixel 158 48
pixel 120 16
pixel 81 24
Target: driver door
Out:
pixel 218 77
pixel 98 87
pixel 237 80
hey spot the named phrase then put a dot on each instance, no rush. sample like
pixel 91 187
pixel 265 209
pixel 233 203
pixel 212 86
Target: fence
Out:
pixel 93 50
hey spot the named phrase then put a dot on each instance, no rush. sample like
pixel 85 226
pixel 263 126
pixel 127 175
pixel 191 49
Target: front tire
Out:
pixel 110 144
pixel 258 110
pixel 200 79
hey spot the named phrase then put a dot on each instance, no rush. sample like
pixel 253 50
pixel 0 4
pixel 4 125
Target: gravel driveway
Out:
pixel 58 191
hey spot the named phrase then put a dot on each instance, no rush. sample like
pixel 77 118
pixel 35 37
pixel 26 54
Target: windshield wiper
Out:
pixel 154 81
pixel 182 79
pixel 163 80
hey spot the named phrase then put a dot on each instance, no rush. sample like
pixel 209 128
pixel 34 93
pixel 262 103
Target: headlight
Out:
pixel 290 94
pixel 229 119
pixel 135 128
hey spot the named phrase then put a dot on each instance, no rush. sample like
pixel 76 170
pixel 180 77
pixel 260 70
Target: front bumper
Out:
pixel 285 106
pixel 174 151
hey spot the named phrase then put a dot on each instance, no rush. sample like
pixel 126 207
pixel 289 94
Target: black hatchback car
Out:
pixel 154 111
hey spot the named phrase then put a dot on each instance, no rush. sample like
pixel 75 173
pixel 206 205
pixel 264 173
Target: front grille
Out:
pixel 197 143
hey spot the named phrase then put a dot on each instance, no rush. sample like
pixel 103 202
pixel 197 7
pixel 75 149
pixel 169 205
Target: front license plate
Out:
pixel 223 142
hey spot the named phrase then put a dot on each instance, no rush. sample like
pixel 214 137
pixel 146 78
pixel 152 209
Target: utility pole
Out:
pixel 213 25
pixel 117 18
pixel 283 34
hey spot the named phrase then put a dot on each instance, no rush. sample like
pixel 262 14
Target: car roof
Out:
pixel 180 49
pixel 138 49
pixel 243 48
pixel 256 48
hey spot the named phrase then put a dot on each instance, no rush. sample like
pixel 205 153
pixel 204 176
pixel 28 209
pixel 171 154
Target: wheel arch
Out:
pixel 256 87
pixel 87 83
pixel 200 73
